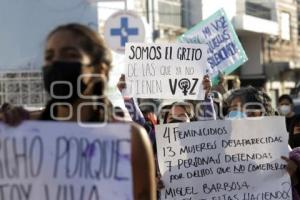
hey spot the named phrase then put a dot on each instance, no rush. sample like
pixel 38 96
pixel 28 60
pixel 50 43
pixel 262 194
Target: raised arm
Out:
pixel 130 104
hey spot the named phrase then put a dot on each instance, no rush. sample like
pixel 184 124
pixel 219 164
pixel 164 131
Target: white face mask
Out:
pixel 284 109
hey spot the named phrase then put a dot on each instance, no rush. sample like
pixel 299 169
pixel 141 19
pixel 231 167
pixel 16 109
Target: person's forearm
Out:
pixel 209 112
pixel 134 111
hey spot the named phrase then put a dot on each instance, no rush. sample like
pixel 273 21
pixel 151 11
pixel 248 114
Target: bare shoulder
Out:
pixel 139 137
pixel 142 164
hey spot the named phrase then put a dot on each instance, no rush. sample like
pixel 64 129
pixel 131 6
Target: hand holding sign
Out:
pixel 291 165
pixel 51 160
pixel 13 116
pixel 230 159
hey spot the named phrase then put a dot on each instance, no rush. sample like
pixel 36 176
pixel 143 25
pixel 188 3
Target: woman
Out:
pixel 286 108
pixel 250 102
pixel 179 112
pixel 77 65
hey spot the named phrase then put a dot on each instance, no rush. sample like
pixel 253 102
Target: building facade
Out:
pixel 281 54
pixel 267 29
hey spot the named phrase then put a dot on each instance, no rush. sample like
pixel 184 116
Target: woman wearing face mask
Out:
pixel 74 52
pixel 247 102
pixel 76 69
pixel 285 108
pixel 250 102
pixel 179 112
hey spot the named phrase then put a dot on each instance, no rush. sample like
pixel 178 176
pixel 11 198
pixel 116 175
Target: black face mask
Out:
pixel 63 71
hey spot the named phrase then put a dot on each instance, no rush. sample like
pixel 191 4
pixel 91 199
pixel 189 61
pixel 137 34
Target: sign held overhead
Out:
pixel 166 71
pixel 225 52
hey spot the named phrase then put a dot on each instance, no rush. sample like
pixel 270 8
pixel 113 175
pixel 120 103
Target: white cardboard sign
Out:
pixel 165 71
pixel 224 160
pixel 63 161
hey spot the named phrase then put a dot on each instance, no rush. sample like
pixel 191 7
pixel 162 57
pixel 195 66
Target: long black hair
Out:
pixel 294 122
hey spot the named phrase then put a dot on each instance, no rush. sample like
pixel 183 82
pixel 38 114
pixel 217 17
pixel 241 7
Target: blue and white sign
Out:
pixel 123 27
pixel 225 52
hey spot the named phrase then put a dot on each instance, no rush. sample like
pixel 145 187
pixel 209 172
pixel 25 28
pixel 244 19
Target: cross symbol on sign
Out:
pixel 124 31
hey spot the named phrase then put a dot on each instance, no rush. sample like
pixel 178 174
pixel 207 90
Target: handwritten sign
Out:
pixel 226 160
pixel 62 161
pixel 166 71
pixel 225 52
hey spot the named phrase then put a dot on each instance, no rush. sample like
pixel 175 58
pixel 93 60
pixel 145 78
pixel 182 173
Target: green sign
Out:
pixel 225 52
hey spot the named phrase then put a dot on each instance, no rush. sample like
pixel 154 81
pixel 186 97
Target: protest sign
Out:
pixel 166 71
pixel 224 160
pixel 225 52
pixel 63 161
